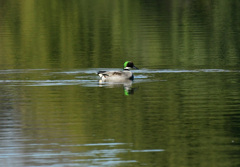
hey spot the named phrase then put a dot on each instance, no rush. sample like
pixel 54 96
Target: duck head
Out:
pixel 129 65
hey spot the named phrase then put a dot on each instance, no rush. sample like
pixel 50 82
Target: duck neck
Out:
pixel 127 68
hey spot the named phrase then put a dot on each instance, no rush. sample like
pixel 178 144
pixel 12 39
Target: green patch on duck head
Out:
pixel 125 64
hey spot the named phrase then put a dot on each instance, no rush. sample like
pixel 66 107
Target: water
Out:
pixel 182 109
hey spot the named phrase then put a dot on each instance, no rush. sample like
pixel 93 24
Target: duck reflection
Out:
pixel 127 86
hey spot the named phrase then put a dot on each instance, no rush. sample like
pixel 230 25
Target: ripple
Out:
pixel 151 150
pixel 85 77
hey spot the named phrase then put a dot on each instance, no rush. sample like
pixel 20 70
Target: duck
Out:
pixel 118 76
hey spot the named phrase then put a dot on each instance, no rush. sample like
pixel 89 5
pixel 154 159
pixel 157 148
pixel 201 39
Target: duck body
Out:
pixel 118 76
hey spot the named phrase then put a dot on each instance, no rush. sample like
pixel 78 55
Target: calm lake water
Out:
pixel 182 109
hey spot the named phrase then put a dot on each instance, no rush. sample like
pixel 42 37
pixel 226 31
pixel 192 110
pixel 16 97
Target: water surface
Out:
pixel 182 109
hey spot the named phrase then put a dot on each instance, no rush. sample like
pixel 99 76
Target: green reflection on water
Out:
pixel 73 34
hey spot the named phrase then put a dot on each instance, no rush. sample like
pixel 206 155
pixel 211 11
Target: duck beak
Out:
pixel 135 67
